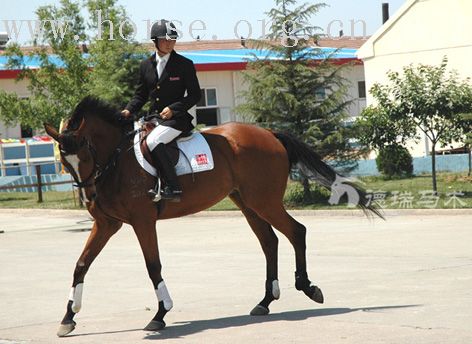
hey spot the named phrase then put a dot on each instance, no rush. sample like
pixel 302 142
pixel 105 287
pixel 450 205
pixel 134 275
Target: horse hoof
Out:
pixel 65 329
pixel 316 294
pixel 155 325
pixel 260 310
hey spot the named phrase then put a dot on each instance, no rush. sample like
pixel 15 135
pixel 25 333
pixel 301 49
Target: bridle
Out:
pixel 75 174
pixel 99 172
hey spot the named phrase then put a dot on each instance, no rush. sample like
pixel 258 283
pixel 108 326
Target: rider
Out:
pixel 170 81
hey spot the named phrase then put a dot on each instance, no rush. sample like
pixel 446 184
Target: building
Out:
pixel 219 65
pixel 420 32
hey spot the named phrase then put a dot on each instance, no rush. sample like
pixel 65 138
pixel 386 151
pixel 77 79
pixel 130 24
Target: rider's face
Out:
pixel 164 46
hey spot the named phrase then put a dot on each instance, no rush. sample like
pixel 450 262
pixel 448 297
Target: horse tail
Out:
pixel 311 164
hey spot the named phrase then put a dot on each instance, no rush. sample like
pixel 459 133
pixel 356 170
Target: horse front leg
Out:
pixel 147 237
pixel 102 231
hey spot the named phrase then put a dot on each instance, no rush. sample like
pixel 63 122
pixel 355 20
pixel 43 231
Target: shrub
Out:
pixel 295 196
pixel 394 161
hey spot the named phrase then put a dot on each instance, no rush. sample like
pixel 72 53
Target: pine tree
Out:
pixel 296 88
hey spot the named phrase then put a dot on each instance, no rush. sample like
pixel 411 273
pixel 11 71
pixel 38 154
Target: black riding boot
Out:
pixel 171 189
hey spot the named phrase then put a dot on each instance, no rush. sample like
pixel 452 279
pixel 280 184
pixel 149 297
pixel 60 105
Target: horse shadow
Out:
pixel 186 328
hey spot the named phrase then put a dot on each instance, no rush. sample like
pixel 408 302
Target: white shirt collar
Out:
pixel 165 57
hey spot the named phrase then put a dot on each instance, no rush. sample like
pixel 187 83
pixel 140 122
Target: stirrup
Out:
pixel 155 193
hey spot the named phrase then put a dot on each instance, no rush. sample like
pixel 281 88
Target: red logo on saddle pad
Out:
pixel 202 159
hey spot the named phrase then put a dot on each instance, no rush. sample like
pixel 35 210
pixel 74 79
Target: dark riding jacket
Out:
pixel 178 77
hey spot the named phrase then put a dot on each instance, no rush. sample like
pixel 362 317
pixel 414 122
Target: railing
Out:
pixel 38 185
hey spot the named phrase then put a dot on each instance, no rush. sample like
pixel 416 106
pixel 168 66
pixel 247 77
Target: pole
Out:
pixel 39 183
pixel 470 160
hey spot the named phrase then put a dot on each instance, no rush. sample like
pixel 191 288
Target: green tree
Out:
pixel 467 122
pixel 115 61
pixel 296 88
pixel 423 99
pixel 394 161
pixel 108 70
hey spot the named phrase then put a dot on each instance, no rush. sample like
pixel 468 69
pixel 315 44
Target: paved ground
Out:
pixel 407 280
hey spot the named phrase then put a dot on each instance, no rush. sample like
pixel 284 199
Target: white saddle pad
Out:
pixel 196 155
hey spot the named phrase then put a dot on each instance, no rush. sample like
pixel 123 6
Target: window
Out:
pixel 26 131
pixel 361 89
pixel 207 107
pixel 320 93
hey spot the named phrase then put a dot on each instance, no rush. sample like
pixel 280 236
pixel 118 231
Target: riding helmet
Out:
pixel 164 29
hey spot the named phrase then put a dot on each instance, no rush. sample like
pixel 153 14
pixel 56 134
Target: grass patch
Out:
pixel 414 192
pixel 51 200
pixel 455 191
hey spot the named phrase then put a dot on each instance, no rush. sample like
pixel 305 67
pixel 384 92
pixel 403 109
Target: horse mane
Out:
pixel 94 106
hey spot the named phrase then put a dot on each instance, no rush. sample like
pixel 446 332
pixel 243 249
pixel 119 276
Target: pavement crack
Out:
pixel 426 328
pixel 444 267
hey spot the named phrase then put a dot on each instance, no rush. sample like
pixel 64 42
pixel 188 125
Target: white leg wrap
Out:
pixel 76 296
pixel 163 295
pixel 275 289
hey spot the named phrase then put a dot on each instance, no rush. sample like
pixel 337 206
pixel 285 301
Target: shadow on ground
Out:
pixel 182 329
pixel 186 328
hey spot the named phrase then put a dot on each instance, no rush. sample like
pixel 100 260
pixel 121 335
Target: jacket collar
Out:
pixel 169 63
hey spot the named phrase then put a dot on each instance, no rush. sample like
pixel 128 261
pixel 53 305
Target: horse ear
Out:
pixel 52 132
pixel 82 125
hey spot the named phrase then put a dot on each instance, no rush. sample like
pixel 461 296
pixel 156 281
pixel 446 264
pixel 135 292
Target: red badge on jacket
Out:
pixel 202 159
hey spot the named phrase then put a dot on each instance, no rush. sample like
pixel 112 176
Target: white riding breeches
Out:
pixel 161 134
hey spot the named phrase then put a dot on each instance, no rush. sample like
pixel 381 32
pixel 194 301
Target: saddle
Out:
pixel 189 152
pixel 172 148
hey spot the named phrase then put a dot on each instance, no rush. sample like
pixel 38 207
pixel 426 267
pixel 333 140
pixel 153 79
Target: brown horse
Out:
pixel 251 166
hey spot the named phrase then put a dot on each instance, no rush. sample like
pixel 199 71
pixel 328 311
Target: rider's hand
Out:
pixel 126 114
pixel 166 113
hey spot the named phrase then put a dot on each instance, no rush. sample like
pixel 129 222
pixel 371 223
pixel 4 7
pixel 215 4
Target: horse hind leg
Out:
pixel 269 244
pixel 295 232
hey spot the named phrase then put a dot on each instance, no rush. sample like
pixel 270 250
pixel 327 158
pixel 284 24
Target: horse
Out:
pixel 251 166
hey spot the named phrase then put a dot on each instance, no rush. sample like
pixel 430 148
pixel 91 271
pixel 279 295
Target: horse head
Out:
pixel 83 140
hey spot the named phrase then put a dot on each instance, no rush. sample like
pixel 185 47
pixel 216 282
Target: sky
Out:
pixel 212 19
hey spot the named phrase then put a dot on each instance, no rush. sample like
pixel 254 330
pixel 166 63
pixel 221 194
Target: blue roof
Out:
pixel 242 55
pixel 31 62
pixel 197 56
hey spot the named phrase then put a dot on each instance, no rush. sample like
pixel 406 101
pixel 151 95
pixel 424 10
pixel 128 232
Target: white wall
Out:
pixel 355 74
pixel 223 82
pixel 421 32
